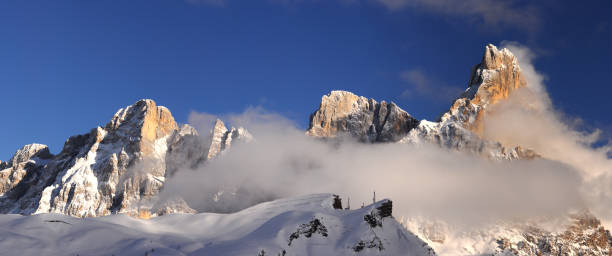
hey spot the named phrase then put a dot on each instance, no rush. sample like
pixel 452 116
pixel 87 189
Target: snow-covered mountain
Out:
pixel 306 225
pixel 123 166
pixel 343 113
pixel 116 169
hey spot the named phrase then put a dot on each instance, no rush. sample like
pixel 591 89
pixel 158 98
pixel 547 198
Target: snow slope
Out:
pixel 268 226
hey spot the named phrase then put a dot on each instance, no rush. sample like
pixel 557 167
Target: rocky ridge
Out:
pixel 460 128
pixel 222 138
pixel 584 235
pixel 116 169
pixel 122 167
pixel 344 113
pixel 492 80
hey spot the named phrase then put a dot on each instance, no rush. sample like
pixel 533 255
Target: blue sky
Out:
pixel 67 66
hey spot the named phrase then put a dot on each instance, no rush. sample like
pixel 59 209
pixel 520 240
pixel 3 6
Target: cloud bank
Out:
pixel 423 180
pixel 529 119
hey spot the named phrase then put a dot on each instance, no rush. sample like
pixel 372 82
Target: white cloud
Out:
pixel 425 180
pixel 202 122
pixel 490 12
pixel 529 119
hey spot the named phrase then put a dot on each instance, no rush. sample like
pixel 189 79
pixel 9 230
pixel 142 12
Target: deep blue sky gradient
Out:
pixel 67 66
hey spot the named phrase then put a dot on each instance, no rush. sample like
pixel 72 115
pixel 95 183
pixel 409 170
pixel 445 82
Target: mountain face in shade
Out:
pixel 116 169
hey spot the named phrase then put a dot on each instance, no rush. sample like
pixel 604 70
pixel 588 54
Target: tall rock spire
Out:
pixel 492 80
pixel 218 135
pixel 221 138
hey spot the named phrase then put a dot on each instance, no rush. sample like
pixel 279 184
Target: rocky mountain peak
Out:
pixel 493 58
pixel 222 137
pixel 30 151
pixel 217 135
pixel 25 159
pixel 496 76
pixel 143 120
pixel 343 112
pixel 492 80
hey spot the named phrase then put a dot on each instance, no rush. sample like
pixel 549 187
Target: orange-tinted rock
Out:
pixel 343 112
pixel 494 79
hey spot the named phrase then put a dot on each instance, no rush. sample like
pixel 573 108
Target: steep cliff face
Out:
pixel 460 128
pixel 111 169
pixel 116 169
pixel 343 112
pixel 492 80
pixel 144 123
pixel 222 137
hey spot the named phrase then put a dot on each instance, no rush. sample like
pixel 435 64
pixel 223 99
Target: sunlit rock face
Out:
pixel 343 112
pixel 492 80
pixel 144 121
pixel 460 128
pixel 111 169
pixel 116 169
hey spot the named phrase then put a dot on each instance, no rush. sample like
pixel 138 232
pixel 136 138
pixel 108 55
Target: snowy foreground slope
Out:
pixel 308 223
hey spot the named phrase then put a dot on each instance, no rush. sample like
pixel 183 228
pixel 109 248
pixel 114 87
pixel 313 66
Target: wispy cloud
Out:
pixel 203 122
pixel 490 12
pixel 421 84
pixel 528 118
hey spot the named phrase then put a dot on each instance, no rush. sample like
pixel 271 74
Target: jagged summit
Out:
pixel 222 137
pixel 218 134
pixel 29 151
pixel 492 80
pixel 344 112
pixel 144 120
pixel 116 169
